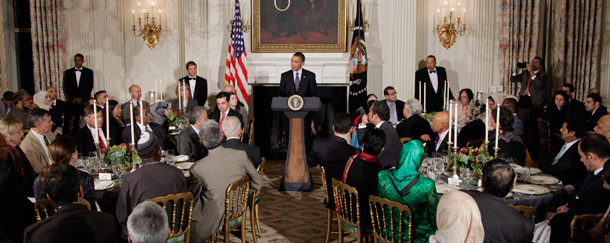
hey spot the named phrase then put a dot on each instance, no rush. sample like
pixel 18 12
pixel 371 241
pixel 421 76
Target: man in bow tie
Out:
pixel 433 77
pixel 198 85
pixel 78 81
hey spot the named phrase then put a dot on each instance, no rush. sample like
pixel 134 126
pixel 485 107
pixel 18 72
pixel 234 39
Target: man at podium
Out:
pixel 298 80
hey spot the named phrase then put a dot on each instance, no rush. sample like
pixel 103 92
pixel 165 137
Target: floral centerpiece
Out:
pixel 174 116
pixel 429 116
pixel 473 158
pixel 122 152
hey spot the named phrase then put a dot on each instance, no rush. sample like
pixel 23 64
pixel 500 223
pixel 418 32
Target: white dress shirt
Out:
pixel 192 83
pixel 99 130
pixel 78 73
pixel 196 130
pixel 441 137
pixel 433 78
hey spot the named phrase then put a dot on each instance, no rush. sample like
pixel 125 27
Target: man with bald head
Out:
pixel 231 128
pixel 136 94
pixel 60 112
pixel 603 126
pixel 440 125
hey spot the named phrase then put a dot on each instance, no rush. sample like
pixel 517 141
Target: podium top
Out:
pixel 309 104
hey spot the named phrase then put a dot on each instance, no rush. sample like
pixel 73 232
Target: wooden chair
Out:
pixel 182 204
pixel 475 143
pixel 527 211
pixel 250 132
pixel 347 197
pixel 46 208
pixel 584 222
pixel 405 140
pixel 384 213
pixel 235 210
pixel 253 206
pixel 544 132
pixel 329 213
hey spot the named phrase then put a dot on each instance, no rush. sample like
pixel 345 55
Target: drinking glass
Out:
pixel 170 157
pixel 465 174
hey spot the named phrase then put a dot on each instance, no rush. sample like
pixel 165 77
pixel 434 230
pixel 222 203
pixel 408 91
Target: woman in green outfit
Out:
pixel 405 185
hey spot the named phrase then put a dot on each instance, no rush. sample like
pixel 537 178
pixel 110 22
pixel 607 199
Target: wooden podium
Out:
pixel 296 173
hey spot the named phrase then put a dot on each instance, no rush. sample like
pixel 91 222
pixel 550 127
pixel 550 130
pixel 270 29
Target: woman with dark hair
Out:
pixel 183 94
pixel 470 127
pixel 234 104
pixel 364 108
pixel 556 114
pixel 465 106
pixel 509 142
pixel 116 125
pixel 63 151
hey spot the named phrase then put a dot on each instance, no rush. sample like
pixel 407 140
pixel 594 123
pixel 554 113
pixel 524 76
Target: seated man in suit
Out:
pixel 153 179
pixel 60 112
pixel 158 130
pixel 210 178
pixel 223 109
pixel 603 126
pixel 379 113
pixel 595 111
pixel 333 153
pixel 394 104
pixel 567 166
pixel 188 139
pixel 232 131
pixel 513 105
pixel 589 197
pixel 22 105
pixel 574 106
pixel 35 145
pixel 148 223
pixel 85 137
pixel 440 125
pixel 501 223
pixel 136 94
pixel 7 102
pixel 414 126
pixel 73 222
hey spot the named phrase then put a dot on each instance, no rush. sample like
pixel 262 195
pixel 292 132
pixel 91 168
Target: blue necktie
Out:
pixel 561 152
pixel 297 81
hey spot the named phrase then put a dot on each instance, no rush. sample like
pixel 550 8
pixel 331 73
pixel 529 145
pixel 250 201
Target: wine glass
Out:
pixel 465 174
pixel 170 157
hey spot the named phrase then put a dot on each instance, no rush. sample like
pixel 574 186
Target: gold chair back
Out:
pixel 324 183
pixel 388 217
pixel 349 209
pixel 261 167
pixel 405 140
pixel 251 131
pixel 584 222
pixel 181 207
pixel 46 207
pixel 527 211
pixel 544 132
pixel 235 208
pixel 475 143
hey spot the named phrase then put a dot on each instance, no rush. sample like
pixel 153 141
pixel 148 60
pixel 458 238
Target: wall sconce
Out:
pixel 148 29
pixel 353 11
pixel 452 25
pixel 245 15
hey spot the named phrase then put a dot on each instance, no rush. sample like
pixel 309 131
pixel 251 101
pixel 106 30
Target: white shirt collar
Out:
pixel 597 171
pixel 379 124
pixel 568 145
pixel 196 130
pixel 343 138
pixel 232 138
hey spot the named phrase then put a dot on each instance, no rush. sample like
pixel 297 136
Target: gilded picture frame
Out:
pixel 299 25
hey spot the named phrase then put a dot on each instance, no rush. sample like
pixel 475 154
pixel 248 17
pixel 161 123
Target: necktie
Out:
pixel 222 119
pixel 561 152
pixel 393 115
pixel 46 140
pixel 137 103
pixel 297 81
pixel 436 145
pixel 432 71
pixel 99 138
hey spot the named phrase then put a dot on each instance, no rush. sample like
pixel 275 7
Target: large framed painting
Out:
pixel 299 25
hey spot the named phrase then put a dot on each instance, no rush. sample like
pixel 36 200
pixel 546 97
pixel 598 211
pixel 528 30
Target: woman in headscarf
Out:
pixel 43 99
pixel 406 186
pixel 458 219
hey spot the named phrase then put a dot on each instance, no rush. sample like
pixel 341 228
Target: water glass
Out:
pixel 170 157
pixel 465 173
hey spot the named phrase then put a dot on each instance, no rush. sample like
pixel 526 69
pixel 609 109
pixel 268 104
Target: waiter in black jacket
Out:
pixel 199 85
pixel 78 81
pixel 434 78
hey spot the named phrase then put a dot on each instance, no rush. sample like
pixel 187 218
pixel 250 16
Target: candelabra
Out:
pixel 451 27
pixel 147 27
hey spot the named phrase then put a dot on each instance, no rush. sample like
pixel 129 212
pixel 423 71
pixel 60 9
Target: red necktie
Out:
pixel 102 145
pixel 222 119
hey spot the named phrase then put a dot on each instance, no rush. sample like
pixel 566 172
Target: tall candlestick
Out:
pixel 419 90
pixel 185 101
pixel 486 121
pixel 424 96
pixel 107 119
pixel 142 113
pixel 180 95
pixel 455 125
pixel 446 94
pixel 497 125
pixel 97 132
pixel 156 91
pixel 450 116
pixel 161 87
pixel 133 139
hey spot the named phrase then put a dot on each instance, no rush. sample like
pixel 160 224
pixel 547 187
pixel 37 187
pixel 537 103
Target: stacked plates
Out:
pixel 531 189
pixel 542 180
pixel 527 170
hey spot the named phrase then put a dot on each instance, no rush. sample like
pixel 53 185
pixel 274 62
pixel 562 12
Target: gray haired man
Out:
pixel 148 224
pixel 413 126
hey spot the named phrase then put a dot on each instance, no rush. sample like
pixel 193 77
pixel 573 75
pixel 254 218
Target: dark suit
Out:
pixel 555 117
pixel 253 152
pixel 592 119
pixel 158 130
pixel 434 100
pixel 15 209
pixel 85 85
pixel 413 127
pixel 569 169
pixel 442 149
pixel 332 153
pixel 61 115
pixel 576 107
pixel 216 115
pixel 201 89
pixel 115 131
pixel 85 141
pixel 307 87
pixel 589 198
pixel 189 144
pixel 391 149
pixel 74 223
pixel 400 105
pixel 125 111
pixel 501 222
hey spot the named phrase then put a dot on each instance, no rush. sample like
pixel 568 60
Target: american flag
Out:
pixel 236 73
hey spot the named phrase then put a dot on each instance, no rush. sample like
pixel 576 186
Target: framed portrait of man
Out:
pixel 299 25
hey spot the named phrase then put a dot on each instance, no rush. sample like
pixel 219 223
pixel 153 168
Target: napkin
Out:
pixel 103 185
pixel 181 158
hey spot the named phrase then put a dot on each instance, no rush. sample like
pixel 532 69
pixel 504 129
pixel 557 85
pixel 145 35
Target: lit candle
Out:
pixel 133 140
pixel 142 113
pixel 455 126
pixel 133 17
pixel 153 9
pixel 450 116
pixel 161 87
pixel 420 97
pixel 486 121
pixel 156 91
pixel 446 95
pixel 179 95
pixel 497 126
pixel 424 96
pixel 97 132
pixel 159 17
pixel 185 101
pixel 107 119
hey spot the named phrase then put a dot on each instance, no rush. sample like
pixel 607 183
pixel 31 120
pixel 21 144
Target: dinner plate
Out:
pixel 524 170
pixel 531 189
pixel 103 185
pixel 444 188
pixel 181 158
pixel 185 165
pixel 542 180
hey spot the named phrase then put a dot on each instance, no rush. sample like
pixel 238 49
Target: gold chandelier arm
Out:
pixel 278 9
